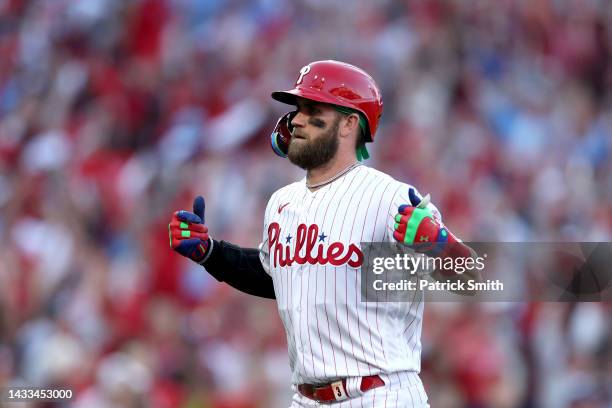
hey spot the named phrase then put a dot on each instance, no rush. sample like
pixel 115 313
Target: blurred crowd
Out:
pixel 114 114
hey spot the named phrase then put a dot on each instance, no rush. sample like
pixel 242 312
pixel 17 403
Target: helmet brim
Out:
pixel 290 96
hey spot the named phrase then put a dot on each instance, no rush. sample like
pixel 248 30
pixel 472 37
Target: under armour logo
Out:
pixel 424 238
pixel 303 71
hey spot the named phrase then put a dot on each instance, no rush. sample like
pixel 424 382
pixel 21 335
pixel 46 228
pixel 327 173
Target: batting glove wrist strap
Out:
pixel 211 245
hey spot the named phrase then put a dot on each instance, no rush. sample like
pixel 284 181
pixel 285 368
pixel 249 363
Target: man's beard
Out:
pixel 310 154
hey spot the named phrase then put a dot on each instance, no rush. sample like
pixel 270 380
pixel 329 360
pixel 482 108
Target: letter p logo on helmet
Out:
pixel 305 69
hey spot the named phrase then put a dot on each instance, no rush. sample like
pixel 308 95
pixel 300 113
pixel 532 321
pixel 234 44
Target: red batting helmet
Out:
pixel 333 82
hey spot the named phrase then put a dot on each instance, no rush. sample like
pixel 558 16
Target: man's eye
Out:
pixel 312 110
pixel 316 122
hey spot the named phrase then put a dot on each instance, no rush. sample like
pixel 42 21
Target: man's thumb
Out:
pixel 416 200
pixel 198 207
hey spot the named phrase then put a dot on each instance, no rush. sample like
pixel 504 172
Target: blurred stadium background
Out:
pixel 115 113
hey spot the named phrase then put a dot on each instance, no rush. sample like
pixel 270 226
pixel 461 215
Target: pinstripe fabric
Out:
pixel 330 333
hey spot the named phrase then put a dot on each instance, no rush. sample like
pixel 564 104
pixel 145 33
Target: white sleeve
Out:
pixel 264 252
pixel 264 255
pixel 403 196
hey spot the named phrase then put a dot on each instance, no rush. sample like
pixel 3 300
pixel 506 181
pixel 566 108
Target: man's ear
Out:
pixel 349 125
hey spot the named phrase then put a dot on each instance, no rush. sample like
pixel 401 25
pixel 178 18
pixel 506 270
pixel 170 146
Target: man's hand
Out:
pixel 188 234
pixel 417 227
pixel 416 224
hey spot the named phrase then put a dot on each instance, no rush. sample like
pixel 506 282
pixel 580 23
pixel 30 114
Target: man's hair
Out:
pixel 361 140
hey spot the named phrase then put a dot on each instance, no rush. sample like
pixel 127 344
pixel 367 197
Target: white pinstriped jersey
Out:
pixel 331 333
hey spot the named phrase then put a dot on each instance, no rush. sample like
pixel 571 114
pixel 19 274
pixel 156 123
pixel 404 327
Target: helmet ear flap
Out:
pixel 281 135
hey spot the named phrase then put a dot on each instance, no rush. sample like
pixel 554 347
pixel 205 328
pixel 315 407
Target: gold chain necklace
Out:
pixel 335 177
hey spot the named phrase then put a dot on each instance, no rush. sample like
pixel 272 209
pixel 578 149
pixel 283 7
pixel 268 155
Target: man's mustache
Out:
pixel 298 135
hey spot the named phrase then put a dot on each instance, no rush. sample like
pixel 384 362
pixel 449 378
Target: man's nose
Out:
pixel 299 120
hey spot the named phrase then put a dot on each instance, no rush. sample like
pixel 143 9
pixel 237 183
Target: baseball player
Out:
pixel 343 352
